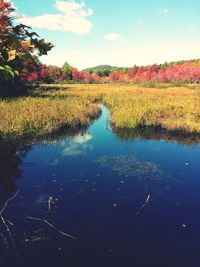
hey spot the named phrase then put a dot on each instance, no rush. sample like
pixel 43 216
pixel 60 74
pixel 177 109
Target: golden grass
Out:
pixel 43 115
pixel 174 109
pixel 48 110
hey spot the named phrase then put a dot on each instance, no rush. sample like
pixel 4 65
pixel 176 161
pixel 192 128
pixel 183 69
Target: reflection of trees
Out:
pixel 11 155
pixel 13 151
pixel 157 134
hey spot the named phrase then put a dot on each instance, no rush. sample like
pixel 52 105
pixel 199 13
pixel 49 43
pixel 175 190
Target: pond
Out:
pixel 101 198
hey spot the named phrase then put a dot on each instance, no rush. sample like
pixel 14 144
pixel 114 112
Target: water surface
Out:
pixel 100 198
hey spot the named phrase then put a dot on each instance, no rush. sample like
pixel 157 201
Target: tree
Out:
pixel 67 70
pixel 19 48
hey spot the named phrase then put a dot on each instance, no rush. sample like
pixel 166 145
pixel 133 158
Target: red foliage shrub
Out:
pixel 183 72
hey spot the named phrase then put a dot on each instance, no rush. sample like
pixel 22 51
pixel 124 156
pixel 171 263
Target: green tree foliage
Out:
pixel 105 70
pixel 101 68
pixel 103 73
pixel 19 48
pixel 67 70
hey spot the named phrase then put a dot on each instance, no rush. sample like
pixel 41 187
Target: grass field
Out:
pixel 53 107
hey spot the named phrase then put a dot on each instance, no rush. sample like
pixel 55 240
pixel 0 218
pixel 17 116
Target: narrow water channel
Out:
pixel 98 198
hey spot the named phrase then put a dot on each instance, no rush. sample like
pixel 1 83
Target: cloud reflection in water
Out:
pixel 78 145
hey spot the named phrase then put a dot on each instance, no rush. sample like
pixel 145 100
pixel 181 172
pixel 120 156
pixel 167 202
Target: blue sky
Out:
pixel 115 32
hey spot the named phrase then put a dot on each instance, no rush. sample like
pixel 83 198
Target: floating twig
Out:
pixel 12 224
pixel 52 226
pixel 5 221
pixel 33 239
pixel 145 204
pixel 4 240
pixel 148 199
pixel 8 230
pixel 6 203
pixel 50 201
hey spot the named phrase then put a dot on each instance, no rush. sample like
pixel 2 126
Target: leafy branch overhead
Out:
pixel 19 45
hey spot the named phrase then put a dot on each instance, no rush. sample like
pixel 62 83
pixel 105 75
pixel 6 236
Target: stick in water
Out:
pixel 51 225
pixel 145 204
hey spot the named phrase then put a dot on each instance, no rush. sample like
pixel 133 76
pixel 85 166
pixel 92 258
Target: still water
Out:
pixel 101 198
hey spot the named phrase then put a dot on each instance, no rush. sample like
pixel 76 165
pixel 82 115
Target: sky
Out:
pixel 115 32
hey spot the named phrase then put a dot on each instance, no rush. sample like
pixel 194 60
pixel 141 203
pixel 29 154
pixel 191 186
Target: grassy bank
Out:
pixel 39 115
pixel 54 107
pixel 174 109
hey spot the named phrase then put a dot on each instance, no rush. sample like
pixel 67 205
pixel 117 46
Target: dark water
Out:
pixel 125 199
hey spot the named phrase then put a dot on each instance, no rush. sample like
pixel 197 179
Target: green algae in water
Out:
pixel 129 166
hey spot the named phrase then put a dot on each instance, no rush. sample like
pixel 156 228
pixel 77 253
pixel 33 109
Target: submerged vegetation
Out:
pixel 154 177
pixel 129 166
pixel 51 108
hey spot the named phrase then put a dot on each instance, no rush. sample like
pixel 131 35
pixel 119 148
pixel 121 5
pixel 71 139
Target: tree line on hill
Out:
pixel 185 72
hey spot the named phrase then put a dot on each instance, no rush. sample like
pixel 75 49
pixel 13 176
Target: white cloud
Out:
pixel 68 6
pixel 112 36
pixel 72 17
pixel 163 10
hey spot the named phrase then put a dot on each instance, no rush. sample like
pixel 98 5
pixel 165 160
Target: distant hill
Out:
pixel 106 70
pixel 101 68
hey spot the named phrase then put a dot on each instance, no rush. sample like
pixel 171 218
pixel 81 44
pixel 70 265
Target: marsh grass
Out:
pixel 54 107
pixel 174 109
pixel 44 115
